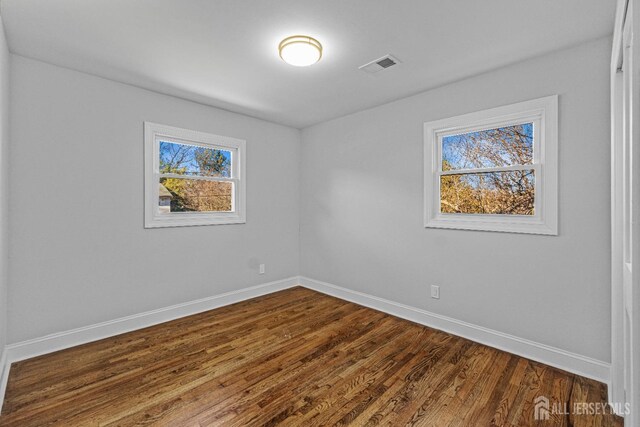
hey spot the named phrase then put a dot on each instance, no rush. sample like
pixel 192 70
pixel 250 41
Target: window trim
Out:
pixel 153 133
pixel 544 113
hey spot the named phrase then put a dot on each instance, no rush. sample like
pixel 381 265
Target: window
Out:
pixel 192 178
pixel 494 170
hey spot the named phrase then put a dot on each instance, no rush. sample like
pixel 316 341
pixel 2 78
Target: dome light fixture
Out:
pixel 300 51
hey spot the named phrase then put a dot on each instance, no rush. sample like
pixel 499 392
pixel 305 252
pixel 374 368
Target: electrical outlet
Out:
pixel 261 268
pixel 435 292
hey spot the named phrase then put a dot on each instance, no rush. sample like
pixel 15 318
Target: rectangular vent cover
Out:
pixel 379 64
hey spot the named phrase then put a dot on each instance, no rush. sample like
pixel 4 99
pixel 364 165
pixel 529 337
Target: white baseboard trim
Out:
pixel 4 375
pixel 61 340
pixel 552 356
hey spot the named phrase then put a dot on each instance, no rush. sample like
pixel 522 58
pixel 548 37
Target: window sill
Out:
pixel 492 223
pixel 187 220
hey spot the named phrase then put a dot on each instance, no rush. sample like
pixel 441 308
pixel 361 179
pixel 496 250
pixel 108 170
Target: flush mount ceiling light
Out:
pixel 300 51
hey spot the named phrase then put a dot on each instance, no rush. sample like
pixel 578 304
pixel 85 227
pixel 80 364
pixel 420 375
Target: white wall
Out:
pixel 362 215
pixel 79 252
pixel 4 188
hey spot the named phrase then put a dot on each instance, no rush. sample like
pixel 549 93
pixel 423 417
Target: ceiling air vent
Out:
pixel 379 64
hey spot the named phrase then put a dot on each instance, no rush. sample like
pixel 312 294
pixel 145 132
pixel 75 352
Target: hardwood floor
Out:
pixel 295 357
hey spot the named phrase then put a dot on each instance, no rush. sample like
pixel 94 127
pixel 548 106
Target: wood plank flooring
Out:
pixel 296 358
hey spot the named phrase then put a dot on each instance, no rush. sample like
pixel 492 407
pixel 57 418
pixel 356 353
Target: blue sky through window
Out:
pixel 499 147
pixel 186 159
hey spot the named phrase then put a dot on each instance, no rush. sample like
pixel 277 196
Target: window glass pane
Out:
pixel 506 146
pixel 186 159
pixel 509 193
pixel 194 195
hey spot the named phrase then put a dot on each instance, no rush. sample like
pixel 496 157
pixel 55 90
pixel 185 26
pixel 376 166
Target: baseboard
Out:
pixel 61 340
pixel 552 356
pixel 4 375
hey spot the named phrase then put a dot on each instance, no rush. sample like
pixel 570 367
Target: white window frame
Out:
pixel 543 112
pixel 153 134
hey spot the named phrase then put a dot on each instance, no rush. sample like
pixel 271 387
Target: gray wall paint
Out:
pixel 362 215
pixel 4 187
pixel 79 253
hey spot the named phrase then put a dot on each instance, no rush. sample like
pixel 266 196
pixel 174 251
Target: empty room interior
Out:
pixel 320 213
